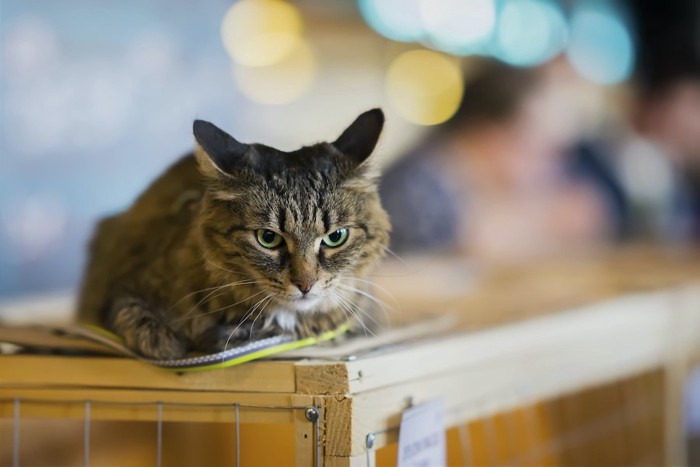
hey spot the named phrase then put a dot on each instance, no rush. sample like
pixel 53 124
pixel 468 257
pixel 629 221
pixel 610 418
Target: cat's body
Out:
pixel 238 241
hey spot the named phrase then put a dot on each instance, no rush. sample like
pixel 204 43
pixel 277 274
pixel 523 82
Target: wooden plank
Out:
pixel 141 405
pixel 304 440
pixel 639 320
pixel 540 417
pixel 365 460
pixel 684 341
pixel 338 429
pixel 60 371
pixel 607 357
pixel 319 378
pixel 565 353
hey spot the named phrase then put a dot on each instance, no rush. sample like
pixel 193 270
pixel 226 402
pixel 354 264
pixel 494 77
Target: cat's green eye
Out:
pixel 336 238
pixel 268 238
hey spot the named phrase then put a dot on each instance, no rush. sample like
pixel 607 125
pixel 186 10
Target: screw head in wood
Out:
pixel 311 414
pixel 370 440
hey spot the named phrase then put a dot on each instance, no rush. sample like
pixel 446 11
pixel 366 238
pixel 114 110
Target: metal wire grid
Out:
pixel 312 414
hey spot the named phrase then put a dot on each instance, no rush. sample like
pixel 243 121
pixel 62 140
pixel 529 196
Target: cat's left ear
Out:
pixel 359 139
pixel 217 152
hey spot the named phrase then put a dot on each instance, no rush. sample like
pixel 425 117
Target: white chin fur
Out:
pixel 285 319
pixel 285 314
pixel 306 304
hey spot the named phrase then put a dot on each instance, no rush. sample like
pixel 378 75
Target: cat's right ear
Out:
pixel 217 152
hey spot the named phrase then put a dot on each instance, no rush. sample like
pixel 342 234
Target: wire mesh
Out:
pixel 160 407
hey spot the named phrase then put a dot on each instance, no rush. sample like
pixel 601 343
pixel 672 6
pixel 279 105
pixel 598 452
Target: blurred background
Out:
pixel 516 129
pixel 575 124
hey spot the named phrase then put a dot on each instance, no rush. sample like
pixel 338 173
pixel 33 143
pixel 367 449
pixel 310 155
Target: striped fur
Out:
pixel 182 269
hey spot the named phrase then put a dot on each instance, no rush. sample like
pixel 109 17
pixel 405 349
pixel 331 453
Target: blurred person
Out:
pixel 493 182
pixel 654 157
pixel 654 152
pixel 658 155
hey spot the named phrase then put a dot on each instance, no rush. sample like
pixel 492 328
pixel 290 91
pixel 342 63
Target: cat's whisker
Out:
pixel 228 306
pixel 252 326
pixel 375 299
pixel 383 306
pixel 347 307
pixel 370 315
pixel 362 312
pixel 206 298
pixel 388 293
pixel 218 266
pixel 191 315
pixel 210 297
pixel 192 310
pixel 364 293
pixel 215 288
pixel 247 315
pixel 193 293
pixel 245 318
pixel 392 253
pixel 344 309
pixel 358 311
pixel 411 272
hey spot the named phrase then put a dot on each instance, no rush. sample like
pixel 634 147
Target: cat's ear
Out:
pixel 360 138
pixel 217 152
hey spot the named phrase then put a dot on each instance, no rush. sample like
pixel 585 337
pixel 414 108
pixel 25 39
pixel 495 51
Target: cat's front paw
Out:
pixel 224 337
pixel 156 342
pixel 164 346
pixel 146 334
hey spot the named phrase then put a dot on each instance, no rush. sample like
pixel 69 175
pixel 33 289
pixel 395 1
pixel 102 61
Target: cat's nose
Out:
pixel 304 285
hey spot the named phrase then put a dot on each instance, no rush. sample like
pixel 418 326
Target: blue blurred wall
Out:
pixel 96 98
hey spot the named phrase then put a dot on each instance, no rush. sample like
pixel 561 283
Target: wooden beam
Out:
pixel 684 342
pixel 563 353
pixel 567 335
pixel 141 405
pixel 104 372
pixel 319 378
pixel 305 434
pixel 364 460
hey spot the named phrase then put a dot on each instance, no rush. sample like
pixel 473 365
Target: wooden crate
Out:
pixel 563 364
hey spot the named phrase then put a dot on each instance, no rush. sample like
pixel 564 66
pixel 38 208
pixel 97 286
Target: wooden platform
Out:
pixel 517 337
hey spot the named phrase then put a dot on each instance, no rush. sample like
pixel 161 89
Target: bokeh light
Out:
pixel 530 32
pixel 459 27
pixel 399 20
pixel 425 87
pixel 261 32
pixel 282 82
pixel 600 48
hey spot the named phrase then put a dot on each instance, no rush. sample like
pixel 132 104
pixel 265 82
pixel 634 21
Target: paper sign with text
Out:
pixel 422 436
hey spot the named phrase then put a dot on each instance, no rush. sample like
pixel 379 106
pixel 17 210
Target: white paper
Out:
pixel 422 436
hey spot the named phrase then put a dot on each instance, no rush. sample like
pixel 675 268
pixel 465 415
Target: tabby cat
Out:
pixel 239 241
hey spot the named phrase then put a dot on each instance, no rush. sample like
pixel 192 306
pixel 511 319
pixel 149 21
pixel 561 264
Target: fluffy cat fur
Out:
pixel 186 268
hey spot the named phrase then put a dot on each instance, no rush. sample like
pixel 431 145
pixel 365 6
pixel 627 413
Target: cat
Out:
pixel 237 241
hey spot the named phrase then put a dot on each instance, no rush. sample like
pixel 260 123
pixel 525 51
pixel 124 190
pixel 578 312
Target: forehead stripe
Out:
pixel 326 221
pixel 282 219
